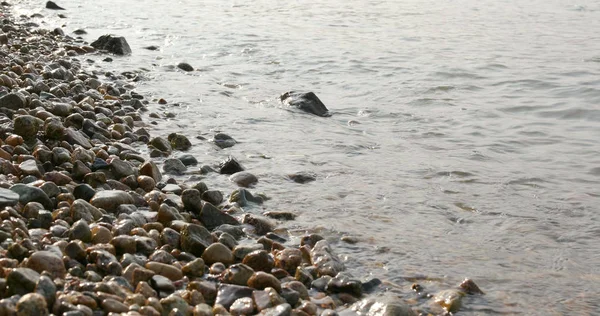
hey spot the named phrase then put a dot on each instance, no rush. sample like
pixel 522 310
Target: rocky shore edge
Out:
pixel 91 226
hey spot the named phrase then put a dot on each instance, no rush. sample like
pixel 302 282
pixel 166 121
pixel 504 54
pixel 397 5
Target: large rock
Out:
pixel 8 198
pixel 32 194
pixel 212 217
pixel 41 261
pixel 13 101
pixel 195 239
pixel 111 199
pixel 113 44
pixel 307 102
pixel 21 281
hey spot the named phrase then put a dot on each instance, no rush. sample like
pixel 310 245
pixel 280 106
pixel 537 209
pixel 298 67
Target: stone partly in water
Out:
pixel 179 142
pixel 450 300
pixel 185 67
pixel 230 166
pixel 53 6
pixel 113 44
pixel 223 140
pixel 307 102
pixel 212 217
pixel 382 306
pixel 302 177
pixel 243 178
pixel 174 166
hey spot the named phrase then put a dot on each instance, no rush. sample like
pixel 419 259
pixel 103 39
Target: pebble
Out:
pixel 109 200
pixel 32 304
pixel 47 261
pixel 217 252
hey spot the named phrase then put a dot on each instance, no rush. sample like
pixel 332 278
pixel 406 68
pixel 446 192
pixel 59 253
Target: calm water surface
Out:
pixel 474 147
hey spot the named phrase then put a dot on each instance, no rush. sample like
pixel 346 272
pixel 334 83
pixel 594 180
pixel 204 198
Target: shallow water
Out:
pixel 474 147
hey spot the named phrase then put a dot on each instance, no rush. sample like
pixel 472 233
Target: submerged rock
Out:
pixel 307 102
pixel 113 44
pixel 185 67
pixel 53 6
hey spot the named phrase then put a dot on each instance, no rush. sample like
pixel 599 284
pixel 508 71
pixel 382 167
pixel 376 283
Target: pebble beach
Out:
pixel 96 220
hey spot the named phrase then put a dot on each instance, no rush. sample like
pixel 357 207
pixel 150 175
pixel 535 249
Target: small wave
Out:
pixel 573 114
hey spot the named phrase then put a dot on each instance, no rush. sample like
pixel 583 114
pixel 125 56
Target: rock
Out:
pixel 121 169
pixel 173 302
pixel 75 137
pixel 212 217
pixel 174 166
pixel 21 281
pixel 188 160
pixel 179 142
pixel 242 306
pixel 470 287
pixel 111 305
pixel 280 215
pixel 228 293
pixel 150 169
pixel 261 280
pixel 383 305
pixel 111 199
pixel 217 252
pixel 30 168
pixel 32 304
pixel 53 128
pixel 242 197
pixel 279 310
pixel 161 144
pixel 230 166
pixel 168 271
pixel 113 44
pixel 307 102
pixel 185 67
pixel 27 126
pixel 243 178
pixel 214 197
pixel 325 261
pixel 302 177
pixel 194 268
pixel 223 140
pixel 341 284
pixel 47 261
pixel 53 6
pixel 450 300
pixel 238 274
pixel 13 101
pixel 81 230
pixel 192 200
pixel 8 198
pixel 46 287
pixel 195 239
pixel 58 178
pixel 259 260
pixel 32 194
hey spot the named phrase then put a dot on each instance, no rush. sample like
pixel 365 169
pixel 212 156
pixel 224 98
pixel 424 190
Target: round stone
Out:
pixel 111 199
pixel 32 304
pixel 217 252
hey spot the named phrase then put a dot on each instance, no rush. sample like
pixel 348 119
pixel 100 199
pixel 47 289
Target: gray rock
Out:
pixel 47 261
pixel 243 178
pixel 188 160
pixel 185 67
pixel 229 293
pixel 161 144
pixel 174 166
pixel 214 197
pixel 8 198
pixel 223 140
pixel 302 177
pixel 75 137
pixel 212 217
pixel 13 101
pixel 111 199
pixel 307 102
pixel 327 262
pixel 192 200
pixel 46 287
pixel 113 44
pixel 195 239
pixel 21 281
pixel 32 194
pixel 30 168
pixel 27 126
pixel 280 310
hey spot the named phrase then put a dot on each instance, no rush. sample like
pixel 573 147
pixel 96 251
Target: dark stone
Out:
pixel 8 198
pixel 370 285
pixel 113 44
pixel 185 67
pixel 223 140
pixel 32 194
pixel 307 102
pixel 194 239
pixel 53 6
pixel 188 160
pixel 212 217
pixel 229 293
pixel 21 281
pixel 79 32
pixel 230 166
pixel 302 177
pixel 84 192
pixel 151 47
pixel 13 101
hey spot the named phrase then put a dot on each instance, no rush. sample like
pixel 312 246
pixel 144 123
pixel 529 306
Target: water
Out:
pixel 474 150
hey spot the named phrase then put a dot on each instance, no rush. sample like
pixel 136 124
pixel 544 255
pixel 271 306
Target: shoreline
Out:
pixel 98 235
